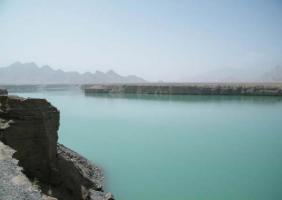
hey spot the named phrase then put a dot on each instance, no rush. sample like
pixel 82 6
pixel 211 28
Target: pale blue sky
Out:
pixel 155 39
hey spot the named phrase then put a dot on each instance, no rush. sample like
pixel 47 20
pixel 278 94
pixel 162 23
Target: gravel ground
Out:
pixel 13 183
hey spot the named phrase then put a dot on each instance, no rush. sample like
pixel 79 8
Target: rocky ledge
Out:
pixel 29 129
pixel 250 89
pixel 3 92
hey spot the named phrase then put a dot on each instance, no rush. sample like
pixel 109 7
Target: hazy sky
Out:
pixel 155 39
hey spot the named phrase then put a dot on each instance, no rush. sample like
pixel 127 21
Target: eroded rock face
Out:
pixel 3 92
pixel 81 175
pixel 30 127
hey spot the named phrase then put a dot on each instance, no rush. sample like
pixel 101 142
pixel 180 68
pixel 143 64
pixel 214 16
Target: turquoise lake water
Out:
pixel 177 147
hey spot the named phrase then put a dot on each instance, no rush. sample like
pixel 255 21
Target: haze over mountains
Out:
pixel 239 75
pixel 30 73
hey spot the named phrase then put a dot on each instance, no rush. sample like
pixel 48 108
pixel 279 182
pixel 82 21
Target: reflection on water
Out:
pixel 191 98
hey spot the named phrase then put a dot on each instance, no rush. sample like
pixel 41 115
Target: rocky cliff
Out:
pixel 3 92
pixel 30 127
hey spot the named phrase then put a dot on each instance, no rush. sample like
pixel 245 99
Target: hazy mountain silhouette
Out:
pixel 30 73
pixel 274 75
pixel 240 75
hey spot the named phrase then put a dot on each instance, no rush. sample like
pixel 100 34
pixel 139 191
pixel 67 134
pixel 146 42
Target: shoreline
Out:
pixel 244 89
pixel 29 130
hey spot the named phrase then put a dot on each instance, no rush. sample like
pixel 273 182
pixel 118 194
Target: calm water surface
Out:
pixel 179 147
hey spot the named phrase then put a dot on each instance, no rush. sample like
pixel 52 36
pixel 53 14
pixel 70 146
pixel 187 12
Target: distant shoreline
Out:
pixel 164 88
pixel 246 89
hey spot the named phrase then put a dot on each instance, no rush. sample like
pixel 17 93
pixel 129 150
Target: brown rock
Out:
pixel 30 127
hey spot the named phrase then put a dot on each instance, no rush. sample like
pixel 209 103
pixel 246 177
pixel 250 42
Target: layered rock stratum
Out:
pixel 29 131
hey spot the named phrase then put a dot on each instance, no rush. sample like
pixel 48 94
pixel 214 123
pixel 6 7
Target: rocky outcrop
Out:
pixel 3 92
pixel 189 89
pixel 30 126
pixel 80 174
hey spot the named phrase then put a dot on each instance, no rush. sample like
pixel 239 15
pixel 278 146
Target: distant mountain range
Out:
pixel 30 73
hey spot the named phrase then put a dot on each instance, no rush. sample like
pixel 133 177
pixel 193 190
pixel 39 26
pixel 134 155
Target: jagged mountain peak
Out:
pixel 111 72
pixel 23 65
pixel 46 67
